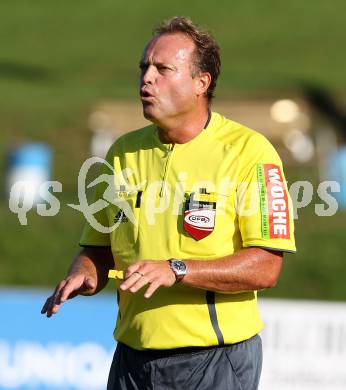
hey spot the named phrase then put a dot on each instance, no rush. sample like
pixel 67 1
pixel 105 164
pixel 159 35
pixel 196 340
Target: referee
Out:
pixel 202 216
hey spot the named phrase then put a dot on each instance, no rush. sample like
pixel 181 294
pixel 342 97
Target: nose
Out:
pixel 149 75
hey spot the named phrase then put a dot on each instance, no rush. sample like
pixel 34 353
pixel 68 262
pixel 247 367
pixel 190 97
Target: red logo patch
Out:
pixel 199 223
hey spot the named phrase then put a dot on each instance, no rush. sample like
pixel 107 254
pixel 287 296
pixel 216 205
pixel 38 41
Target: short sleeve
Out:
pixel 264 206
pixel 97 227
pixel 91 236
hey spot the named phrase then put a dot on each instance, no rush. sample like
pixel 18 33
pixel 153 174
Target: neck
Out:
pixel 183 129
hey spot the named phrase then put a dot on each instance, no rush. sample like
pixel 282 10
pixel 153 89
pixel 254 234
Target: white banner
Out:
pixel 304 344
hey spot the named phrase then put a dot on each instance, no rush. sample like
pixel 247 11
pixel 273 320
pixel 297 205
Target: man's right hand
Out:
pixel 88 274
pixel 68 288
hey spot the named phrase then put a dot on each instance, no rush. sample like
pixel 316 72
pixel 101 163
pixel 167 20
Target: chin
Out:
pixel 148 113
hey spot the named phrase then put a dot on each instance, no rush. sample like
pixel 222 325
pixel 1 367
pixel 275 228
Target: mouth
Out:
pixel 146 95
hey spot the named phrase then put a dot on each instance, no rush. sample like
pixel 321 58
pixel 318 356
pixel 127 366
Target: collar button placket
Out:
pixel 168 156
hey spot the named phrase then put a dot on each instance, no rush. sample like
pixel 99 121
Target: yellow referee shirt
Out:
pixel 220 192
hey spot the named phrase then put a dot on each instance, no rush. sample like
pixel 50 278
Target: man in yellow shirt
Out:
pixel 198 222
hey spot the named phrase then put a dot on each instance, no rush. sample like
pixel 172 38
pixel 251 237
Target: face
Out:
pixel 167 88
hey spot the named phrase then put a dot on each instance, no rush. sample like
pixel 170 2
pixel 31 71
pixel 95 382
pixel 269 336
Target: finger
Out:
pixel 52 300
pixel 152 288
pixel 48 305
pixel 55 308
pixel 142 281
pixel 51 307
pixel 88 287
pixel 133 268
pixel 90 283
pixel 130 281
pixel 45 306
pixel 73 285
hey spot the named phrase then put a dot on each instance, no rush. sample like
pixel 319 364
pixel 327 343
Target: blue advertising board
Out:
pixel 71 350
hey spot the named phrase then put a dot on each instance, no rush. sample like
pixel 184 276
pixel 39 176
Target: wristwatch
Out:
pixel 179 268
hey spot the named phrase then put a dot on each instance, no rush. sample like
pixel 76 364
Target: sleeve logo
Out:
pixel 275 219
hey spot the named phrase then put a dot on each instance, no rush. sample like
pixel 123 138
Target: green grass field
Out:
pixel 58 59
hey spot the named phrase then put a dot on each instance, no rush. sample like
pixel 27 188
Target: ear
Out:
pixel 202 81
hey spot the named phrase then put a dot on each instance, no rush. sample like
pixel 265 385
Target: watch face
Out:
pixel 179 266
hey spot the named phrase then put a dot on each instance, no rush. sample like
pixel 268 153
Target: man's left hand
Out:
pixel 156 273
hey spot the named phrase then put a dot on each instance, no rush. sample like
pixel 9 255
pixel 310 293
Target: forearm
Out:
pixel 246 270
pixel 94 263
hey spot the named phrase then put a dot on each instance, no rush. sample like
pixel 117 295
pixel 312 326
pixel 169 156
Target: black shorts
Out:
pixel 235 367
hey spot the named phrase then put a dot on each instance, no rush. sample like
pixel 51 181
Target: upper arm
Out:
pixel 271 261
pixel 264 206
pixel 101 256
